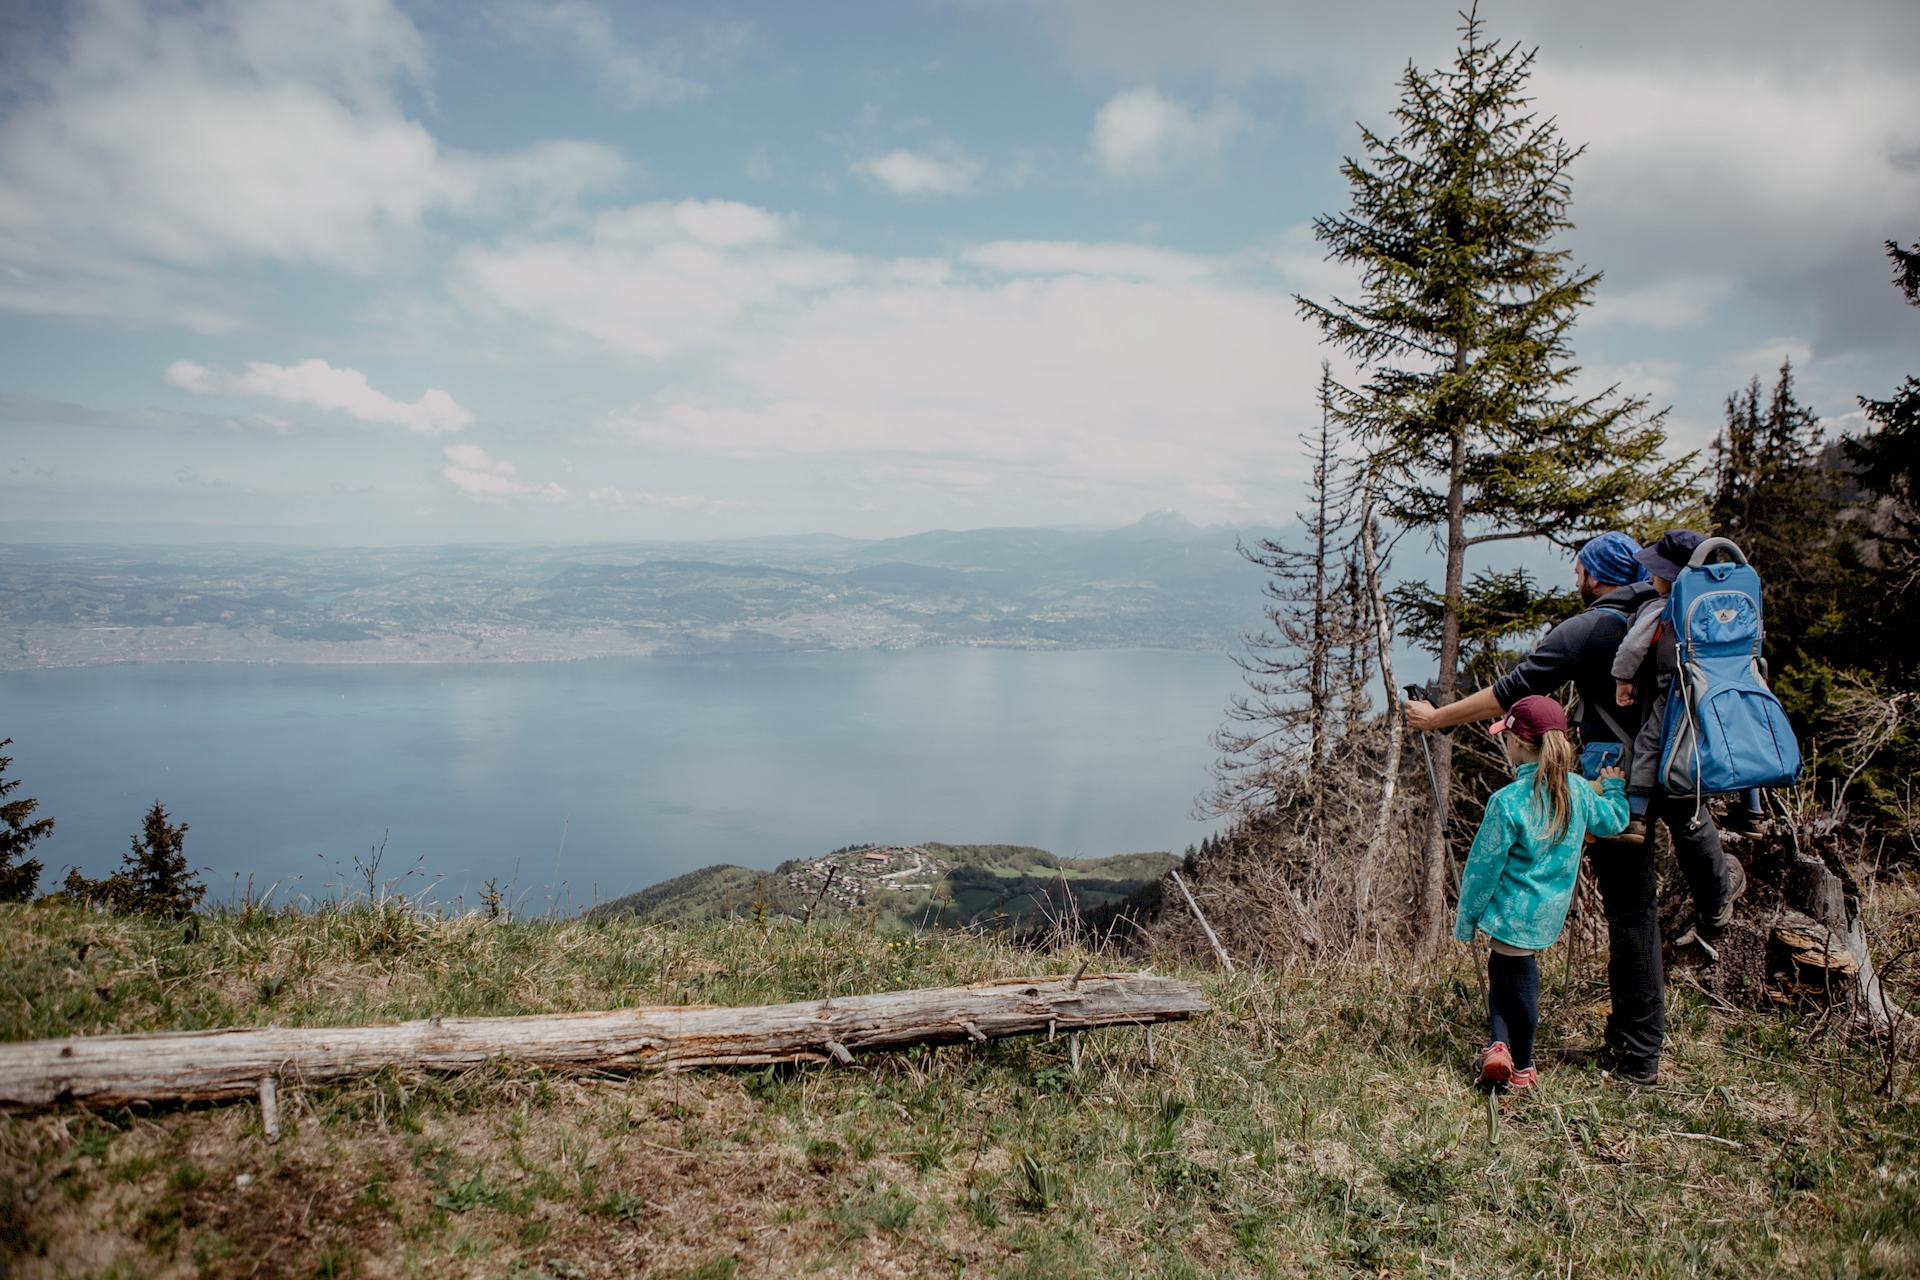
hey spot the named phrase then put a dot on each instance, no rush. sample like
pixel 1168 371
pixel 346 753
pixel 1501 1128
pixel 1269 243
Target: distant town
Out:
pixel 1159 583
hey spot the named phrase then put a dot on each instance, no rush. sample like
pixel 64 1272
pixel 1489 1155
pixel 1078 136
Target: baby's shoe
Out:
pixel 1636 832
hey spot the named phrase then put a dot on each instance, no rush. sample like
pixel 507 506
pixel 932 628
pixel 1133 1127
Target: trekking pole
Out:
pixel 1433 781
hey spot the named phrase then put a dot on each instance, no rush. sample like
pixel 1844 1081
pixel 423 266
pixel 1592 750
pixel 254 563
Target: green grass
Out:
pixel 1315 1123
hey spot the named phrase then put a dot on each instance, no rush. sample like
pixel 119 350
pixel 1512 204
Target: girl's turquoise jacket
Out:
pixel 1518 883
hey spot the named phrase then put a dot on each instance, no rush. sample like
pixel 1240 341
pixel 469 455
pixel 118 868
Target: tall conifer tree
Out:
pixel 1887 459
pixel 1772 496
pixel 1462 327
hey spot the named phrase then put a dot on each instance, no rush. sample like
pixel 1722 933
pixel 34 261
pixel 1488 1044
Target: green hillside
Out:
pixel 925 886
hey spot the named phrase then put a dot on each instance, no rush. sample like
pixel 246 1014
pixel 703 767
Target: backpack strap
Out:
pixel 1626 739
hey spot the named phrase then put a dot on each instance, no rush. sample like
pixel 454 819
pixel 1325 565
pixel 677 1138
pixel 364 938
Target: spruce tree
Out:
pixel 1472 428
pixel 156 865
pixel 154 878
pixel 1773 496
pixel 1880 544
pixel 1887 458
pixel 19 832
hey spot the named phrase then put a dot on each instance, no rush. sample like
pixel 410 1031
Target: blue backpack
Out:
pixel 1724 730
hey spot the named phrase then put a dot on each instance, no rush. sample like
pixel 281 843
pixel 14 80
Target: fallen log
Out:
pixel 230 1062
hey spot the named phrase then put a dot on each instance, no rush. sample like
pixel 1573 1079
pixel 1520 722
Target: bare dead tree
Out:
pixel 1370 862
pixel 1281 731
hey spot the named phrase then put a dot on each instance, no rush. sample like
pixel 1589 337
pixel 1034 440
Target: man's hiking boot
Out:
pixel 1608 1060
pixel 1737 885
pixel 1745 817
pixel 1643 1074
pixel 1494 1065
pixel 1636 832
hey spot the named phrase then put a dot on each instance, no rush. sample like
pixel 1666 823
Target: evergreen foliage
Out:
pixel 154 878
pixel 1887 459
pixel 19 832
pixel 1906 270
pixel 1832 531
pixel 1773 496
pixel 1500 612
pixel 1468 416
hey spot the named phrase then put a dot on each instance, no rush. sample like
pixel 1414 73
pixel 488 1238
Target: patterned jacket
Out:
pixel 1517 883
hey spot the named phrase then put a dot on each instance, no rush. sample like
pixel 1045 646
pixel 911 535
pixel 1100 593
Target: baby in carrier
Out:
pixel 1647 654
pixel 1663 561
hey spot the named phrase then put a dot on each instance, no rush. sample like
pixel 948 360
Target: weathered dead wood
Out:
pixel 1226 961
pixel 1815 944
pixel 114 1070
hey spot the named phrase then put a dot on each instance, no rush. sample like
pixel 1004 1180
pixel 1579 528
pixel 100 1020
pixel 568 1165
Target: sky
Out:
pixel 377 272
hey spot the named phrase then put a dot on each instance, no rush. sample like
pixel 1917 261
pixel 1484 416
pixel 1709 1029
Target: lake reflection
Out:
pixel 663 765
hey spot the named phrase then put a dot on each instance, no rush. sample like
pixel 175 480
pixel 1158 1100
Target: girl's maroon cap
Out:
pixel 1531 717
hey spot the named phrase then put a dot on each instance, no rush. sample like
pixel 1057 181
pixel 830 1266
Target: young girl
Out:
pixel 1519 876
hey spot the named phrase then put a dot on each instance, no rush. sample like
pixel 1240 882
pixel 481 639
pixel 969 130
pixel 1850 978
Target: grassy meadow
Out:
pixel 1314 1123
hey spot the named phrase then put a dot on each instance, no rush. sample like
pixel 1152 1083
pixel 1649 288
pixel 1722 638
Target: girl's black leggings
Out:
pixel 1513 1003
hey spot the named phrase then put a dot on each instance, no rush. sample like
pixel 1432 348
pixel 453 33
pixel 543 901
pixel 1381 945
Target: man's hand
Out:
pixel 1623 693
pixel 1423 715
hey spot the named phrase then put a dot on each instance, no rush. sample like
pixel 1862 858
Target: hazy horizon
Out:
pixel 150 533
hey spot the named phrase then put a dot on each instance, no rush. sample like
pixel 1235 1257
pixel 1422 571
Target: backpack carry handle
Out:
pixel 1711 545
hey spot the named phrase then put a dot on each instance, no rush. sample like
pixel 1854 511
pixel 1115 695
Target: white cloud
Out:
pixel 1370 43
pixel 1097 367
pixel 654 279
pixel 475 473
pixel 161 141
pixel 1731 162
pixel 1072 257
pixel 1140 135
pixel 318 383
pixel 631 74
pixel 919 173
pixel 1732 179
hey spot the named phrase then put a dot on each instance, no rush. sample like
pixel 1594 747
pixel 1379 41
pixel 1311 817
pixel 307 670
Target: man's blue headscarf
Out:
pixel 1609 559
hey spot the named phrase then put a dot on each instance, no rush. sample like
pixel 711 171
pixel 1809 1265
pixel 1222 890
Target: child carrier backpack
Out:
pixel 1724 730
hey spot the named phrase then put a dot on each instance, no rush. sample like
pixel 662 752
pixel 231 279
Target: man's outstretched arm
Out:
pixel 1475 706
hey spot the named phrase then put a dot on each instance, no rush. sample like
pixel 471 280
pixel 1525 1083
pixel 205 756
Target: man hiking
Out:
pixel 1613 586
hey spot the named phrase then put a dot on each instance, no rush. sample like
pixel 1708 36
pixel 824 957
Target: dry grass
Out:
pixel 1318 1122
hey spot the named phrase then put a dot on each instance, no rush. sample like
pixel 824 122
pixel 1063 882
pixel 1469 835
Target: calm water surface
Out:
pixel 653 766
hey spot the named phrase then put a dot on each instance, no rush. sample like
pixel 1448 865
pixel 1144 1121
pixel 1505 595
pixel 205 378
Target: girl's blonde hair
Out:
pixel 1557 760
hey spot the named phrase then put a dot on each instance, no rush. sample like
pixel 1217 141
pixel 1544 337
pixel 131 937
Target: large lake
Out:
pixel 653 767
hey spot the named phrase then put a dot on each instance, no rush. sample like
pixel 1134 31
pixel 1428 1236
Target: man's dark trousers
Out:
pixel 1630 896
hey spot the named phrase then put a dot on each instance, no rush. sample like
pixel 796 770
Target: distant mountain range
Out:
pixel 994 886
pixel 1161 582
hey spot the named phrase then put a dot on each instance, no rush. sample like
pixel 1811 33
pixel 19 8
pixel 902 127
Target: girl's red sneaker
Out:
pixel 1523 1078
pixel 1495 1064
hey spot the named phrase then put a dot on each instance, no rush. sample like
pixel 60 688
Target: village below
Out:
pixel 992 889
